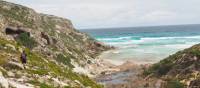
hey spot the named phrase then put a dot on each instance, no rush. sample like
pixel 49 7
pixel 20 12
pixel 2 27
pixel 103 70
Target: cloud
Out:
pixel 119 13
pixel 159 16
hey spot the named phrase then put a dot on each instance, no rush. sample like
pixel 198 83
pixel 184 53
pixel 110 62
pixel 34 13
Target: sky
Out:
pixel 86 14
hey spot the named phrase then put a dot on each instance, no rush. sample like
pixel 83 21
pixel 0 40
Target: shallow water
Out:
pixel 146 44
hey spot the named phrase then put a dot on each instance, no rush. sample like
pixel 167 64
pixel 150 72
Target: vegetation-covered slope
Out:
pixel 179 70
pixel 53 46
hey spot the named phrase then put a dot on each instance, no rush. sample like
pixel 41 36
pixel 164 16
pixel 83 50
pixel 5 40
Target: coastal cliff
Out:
pixel 57 53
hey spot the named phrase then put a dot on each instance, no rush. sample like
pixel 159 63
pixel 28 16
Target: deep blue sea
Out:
pixel 146 44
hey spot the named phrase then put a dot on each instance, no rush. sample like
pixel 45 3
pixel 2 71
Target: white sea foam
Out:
pixel 163 38
pixel 129 42
pixel 122 43
pixel 128 38
pixel 113 39
pixel 147 44
pixel 181 46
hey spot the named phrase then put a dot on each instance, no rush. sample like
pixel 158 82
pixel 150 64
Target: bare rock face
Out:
pixel 195 84
pixel 3 81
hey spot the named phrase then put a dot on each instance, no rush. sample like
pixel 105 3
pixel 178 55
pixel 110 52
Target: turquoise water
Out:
pixel 146 44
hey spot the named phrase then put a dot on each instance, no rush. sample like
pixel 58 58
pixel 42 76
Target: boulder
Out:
pixel 18 85
pixel 11 46
pixel 10 74
pixel 57 82
pixel 13 65
pixel 195 84
pixel 3 81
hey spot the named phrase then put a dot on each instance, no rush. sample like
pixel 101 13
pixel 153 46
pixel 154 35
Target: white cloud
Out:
pixel 118 13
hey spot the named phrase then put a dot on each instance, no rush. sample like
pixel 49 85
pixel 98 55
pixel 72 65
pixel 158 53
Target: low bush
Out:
pixel 65 60
pixel 159 69
pixel 26 41
pixel 174 84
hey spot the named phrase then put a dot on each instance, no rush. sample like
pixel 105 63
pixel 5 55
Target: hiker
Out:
pixel 23 59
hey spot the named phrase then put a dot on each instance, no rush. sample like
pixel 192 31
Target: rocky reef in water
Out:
pixel 58 54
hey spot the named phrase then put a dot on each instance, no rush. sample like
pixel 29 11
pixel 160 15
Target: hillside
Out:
pixel 54 49
pixel 179 70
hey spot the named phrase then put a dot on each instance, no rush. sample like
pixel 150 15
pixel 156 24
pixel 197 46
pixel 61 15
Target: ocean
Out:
pixel 145 44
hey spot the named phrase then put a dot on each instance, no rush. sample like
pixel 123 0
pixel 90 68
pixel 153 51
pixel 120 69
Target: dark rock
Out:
pixel 195 84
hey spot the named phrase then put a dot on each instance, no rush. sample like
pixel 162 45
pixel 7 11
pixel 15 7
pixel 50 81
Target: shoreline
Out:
pixel 115 57
pixel 112 74
pixel 120 62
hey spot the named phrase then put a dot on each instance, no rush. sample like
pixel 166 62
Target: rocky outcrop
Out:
pixel 54 48
pixel 3 81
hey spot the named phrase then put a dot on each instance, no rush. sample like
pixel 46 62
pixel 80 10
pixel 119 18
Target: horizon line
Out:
pixel 136 26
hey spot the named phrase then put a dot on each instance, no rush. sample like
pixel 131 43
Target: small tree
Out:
pixel 26 40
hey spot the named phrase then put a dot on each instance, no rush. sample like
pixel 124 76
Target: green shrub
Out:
pixel 3 60
pixel 65 60
pixel 174 84
pixel 67 87
pixel 161 68
pixel 195 52
pixel 27 41
pixel 43 85
pixel 39 71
